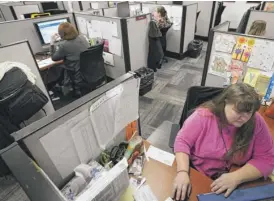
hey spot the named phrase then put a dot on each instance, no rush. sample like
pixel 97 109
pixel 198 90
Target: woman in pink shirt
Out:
pixel 220 133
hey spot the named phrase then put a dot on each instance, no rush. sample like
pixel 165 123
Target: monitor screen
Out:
pixel 49 5
pixel 47 28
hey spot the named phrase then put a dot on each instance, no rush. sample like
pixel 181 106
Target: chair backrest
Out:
pixel 92 64
pixel 197 95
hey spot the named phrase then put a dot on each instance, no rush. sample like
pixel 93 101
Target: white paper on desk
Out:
pixel 113 28
pixel 160 155
pixel 115 46
pixel 82 25
pixel 108 58
pixel 169 199
pixel 85 141
pixel 144 194
pixel 60 146
pixel 127 109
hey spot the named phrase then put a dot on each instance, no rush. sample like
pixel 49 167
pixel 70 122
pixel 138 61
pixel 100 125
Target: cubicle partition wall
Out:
pixel 110 12
pixel 22 53
pixel 207 14
pixel 18 30
pixel 71 136
pixel 183 29
pixel 109 28
pixel 267 16
pixel 126 49
pixel 5 10
pixel 231 56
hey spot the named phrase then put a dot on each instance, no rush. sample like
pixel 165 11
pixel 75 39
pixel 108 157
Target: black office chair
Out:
pixel 92 66
pixel 196 95
pixel 163 40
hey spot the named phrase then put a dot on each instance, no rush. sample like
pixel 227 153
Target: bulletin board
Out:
pixel 241 58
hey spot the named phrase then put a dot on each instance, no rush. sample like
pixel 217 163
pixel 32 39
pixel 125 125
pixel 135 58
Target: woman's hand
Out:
pixel 181 186
pixel 227 182
pixel 54 37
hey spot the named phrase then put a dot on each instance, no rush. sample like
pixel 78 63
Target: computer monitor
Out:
pixel 49 5
pixel 47 28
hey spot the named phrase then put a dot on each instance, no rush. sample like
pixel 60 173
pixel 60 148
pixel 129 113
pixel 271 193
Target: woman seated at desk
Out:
pixel 69 50
pixel 220 133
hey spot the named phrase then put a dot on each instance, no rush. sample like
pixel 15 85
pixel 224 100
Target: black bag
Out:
pixel 19 97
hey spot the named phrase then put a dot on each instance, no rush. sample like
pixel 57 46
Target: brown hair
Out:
pixel 67 31
pixel 162 11
pixel 257 28
pixel 245 99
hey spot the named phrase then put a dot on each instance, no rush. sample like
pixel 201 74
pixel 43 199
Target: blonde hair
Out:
pixel 67 31
pixel 257 28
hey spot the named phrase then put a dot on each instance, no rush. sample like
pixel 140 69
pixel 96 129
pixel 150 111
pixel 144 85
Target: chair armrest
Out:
pixel 173 133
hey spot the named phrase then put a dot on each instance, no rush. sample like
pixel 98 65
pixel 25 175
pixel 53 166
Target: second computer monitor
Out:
pixel 47 28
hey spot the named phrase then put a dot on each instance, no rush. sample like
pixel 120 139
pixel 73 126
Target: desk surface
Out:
pixel 160 176
pixel 48 64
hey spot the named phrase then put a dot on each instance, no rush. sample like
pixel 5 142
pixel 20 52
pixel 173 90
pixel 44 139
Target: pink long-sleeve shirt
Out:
pixel 201 140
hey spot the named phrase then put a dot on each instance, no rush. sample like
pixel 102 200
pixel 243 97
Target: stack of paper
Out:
pixel 160 155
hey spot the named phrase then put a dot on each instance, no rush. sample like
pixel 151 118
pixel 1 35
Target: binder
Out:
pixel 249 194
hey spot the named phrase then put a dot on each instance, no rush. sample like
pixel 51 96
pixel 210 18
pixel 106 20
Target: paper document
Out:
pixel 115 46
pixel 95 29
pixel 128 105
pixel 144 194
pixel 105 30
pixel 176 11
pixel 108 58
pixel 113 28
pixel 169 199
pixel 44 62
pixel 60 146
pixel 82 25
pixel 85 141
pixel 160 155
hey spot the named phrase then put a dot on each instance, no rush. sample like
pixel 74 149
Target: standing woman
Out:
pixel 155 52
pixel 69 50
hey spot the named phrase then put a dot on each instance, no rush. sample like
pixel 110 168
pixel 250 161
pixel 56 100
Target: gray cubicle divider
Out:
pixel 36 186
pixel 178 38
pixel 30 136
pixel 6 10
pixel 110 12
pixel 206 19
pixel 121 65
pixel 216 80
pixel 22 53
pixel 267 16
pixel 18 30
pixel 136 29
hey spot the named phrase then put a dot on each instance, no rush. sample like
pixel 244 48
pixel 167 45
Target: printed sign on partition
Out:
pixel 243 48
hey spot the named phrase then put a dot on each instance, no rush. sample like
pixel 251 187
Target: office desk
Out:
pixel 49 64
pixel 160 179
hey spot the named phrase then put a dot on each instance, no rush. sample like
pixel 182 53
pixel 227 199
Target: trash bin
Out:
pixel 194 48
pixel 147 79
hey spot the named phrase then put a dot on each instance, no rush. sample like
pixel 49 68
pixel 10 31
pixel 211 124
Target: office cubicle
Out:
pixel 230 56
pixel 18 30
pixel 183 29
pixel 6 10
pixel 127 49
pixel 266 16
pixel 46 140
pixel 22 53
